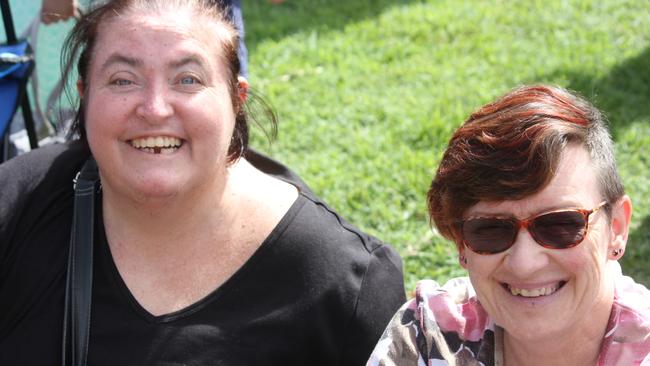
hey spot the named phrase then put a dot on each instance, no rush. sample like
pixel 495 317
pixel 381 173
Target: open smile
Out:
pixel 534 292
pixel 157 144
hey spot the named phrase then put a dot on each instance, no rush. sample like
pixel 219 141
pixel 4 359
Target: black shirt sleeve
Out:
pixel 35 214
pixel 381 294
pixel 382 289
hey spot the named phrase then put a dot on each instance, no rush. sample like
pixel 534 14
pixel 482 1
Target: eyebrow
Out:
pixel 559 207
pixel 192 59
pixel 117 58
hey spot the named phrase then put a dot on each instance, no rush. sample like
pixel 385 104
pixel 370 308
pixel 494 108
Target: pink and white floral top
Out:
pixel 448 326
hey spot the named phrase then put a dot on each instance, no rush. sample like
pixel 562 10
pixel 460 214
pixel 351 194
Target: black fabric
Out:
pixel 79 278
pixel 317 292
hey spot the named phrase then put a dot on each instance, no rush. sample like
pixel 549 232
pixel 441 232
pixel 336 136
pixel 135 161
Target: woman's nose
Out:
pixel 526 257
pixel 155 106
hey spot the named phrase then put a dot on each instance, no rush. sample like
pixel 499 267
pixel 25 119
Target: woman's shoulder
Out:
pixel 36 163
pixel 37 186
pixel 453 307
pixel 627 340
pixel 441 323
pixel 631 294
pixel 632 307
pixel 358 276
pixel 314 220
pixel 49 167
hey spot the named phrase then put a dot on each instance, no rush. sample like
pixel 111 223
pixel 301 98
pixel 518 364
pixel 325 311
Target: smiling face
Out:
pixel 537 293
pixel 159 114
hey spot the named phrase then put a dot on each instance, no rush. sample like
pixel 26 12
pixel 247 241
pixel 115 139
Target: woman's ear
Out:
pixel 80 88
pixel 462 259
pixel 242 88
pixel 620 227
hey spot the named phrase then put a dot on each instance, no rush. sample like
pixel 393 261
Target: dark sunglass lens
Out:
pixel 488 235
pixel 559 229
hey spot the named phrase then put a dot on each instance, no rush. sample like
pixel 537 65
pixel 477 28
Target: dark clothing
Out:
pixel 316 292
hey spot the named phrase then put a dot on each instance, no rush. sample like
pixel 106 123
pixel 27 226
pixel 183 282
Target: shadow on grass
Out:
pixel 264 21
pixel 623 94
pixel 637 254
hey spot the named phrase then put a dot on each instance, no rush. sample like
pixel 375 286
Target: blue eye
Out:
pixel 189 80
pixel 122 82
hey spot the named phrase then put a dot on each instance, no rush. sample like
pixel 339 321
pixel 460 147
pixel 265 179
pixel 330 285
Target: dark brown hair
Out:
pixel 81 40
pixel 510 149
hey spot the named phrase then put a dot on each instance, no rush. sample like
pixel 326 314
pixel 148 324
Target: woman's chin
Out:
pixel 534 331
pixel 535 317
pixel 543 325
pixel 151 189
pixel 158 193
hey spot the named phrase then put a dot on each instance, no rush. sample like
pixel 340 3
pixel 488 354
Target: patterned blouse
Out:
pixel 448 326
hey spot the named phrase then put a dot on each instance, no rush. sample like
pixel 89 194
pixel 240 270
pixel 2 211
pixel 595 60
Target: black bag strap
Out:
pixel 78 289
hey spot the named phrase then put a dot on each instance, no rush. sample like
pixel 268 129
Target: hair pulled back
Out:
pixel 79 45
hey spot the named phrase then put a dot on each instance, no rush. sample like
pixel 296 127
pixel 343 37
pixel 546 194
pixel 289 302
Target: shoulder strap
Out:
pixel 76 317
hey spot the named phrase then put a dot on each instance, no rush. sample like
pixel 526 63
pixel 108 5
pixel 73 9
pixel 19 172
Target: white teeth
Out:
pixel 158 144
pixel 536 292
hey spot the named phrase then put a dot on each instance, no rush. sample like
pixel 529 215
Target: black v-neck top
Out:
pixel 316 292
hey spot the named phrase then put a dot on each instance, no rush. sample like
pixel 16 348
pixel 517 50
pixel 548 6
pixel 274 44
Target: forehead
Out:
pixel 575 184
pixel 161 32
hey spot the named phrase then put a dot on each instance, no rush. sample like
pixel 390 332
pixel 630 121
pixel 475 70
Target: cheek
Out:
pixel 106 119
pixel 482 264
pixel 215 113
pixel 209 126
pixel 97 129
pixel 480 269
pixel 587 262
pixel 105 110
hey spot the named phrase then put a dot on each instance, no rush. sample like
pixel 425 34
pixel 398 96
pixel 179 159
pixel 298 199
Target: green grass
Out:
pixel 369 92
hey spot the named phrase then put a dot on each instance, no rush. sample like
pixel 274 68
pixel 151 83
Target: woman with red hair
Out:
pixel 529 192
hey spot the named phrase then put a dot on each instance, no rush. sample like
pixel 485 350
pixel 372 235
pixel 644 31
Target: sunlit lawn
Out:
pixel 368 93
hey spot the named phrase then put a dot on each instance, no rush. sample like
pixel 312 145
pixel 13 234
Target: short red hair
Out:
pixel 510 149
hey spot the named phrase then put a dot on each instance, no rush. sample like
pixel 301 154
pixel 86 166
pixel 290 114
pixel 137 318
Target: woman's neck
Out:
pixel 175 254
pixel 160 223
pixel 228 212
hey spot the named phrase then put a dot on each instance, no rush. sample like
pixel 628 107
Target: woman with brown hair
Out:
pixel 205 253
pixel 529 192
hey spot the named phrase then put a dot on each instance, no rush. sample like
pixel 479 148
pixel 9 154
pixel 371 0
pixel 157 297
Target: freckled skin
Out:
pixel 153 100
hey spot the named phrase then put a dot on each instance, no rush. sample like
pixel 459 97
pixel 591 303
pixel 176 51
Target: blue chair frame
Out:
pixel 16 66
